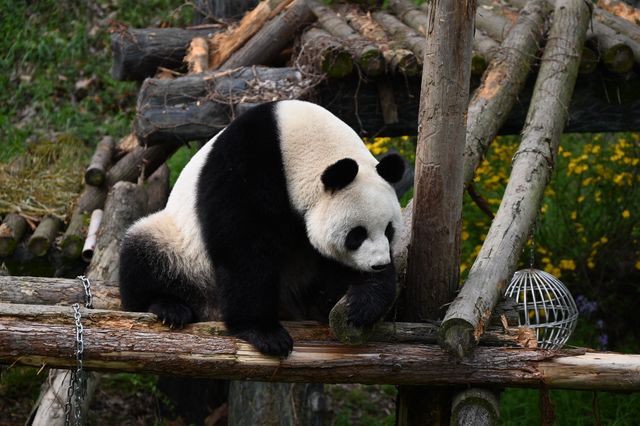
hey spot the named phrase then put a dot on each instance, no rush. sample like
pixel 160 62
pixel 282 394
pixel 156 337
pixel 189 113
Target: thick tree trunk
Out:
pixel 125 203
pixel 532 166
pixel 501 84
pixel 196 107
pixel 136 342
pixel 434 252
pixel 367 55
pixel 137 53
pixel 44 235
pixel 272 38
pixel 100 162
pixel 11 232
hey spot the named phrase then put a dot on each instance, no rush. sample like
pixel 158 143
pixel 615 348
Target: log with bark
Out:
pixel 196 107
pixel 136 342
pixel 11 231
pixel 272 38
pixel 142 161
pixel 100 162
pixel 501 84
pixel 137 53
pixel 433 267
pixel 493 24
pixel 367 55
pixel 92 198
pixel 532 165
pixel 126 202
pixel 401 33
pixel 42 238
pixel 325 54
pixel 222 45
pixel 397 58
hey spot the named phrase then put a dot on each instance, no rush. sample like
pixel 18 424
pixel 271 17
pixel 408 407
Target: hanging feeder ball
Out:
pixel 545 305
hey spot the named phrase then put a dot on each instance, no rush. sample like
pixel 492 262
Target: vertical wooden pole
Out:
pixel 434 253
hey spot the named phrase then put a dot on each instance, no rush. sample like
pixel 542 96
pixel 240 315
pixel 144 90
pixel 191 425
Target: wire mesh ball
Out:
pixel 545 305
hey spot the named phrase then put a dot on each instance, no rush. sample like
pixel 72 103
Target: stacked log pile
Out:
pixel 349 59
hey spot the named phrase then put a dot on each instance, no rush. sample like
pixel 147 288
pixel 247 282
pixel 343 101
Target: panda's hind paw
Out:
pixel 274 341
pixel 173 313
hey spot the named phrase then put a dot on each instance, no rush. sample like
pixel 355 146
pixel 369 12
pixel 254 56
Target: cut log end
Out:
pixel 458 337
pixel 618 59
pixel 345 332
pixel 475 406
pixel 94 176
pixel 337 64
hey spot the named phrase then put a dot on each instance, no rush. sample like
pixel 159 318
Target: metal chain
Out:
pixel 78 379
pixel 88 297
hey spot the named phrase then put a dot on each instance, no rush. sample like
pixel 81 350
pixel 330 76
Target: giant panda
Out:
pixel 277 217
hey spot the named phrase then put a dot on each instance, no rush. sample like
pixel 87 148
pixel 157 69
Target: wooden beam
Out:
pixel 136 342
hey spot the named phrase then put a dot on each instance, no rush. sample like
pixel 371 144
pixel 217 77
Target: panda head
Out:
pixel 358 214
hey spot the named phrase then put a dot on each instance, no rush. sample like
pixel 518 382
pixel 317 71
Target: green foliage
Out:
pixel 180 159
pixel 47 47
pixel 369 405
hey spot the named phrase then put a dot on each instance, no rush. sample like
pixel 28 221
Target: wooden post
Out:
pixel 434 253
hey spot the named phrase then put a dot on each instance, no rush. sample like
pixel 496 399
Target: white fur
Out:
pixel 312 139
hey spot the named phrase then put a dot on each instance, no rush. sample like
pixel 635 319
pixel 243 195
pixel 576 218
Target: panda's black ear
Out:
pixel 391 168
pixel 339 174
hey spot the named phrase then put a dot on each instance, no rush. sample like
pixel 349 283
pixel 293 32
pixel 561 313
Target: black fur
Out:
pixel 252 236
pixel 391 168
pixel 339 174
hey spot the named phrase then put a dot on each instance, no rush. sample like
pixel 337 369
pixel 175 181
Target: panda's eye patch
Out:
pixel 389 232
pixel 355 238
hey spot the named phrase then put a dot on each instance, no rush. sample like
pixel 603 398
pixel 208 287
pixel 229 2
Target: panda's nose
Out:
pixel 380 267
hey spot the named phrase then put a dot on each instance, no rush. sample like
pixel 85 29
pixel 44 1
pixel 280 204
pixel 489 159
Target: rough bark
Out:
pixel 146 159
pixel 325 53
pixel 196 107
pixel 158 189
pixel 57 291
pixel 197 58
pixel 42 238
pixel 222 45
pixel 125 203
pixel 100 162
pixel 137 53
pixel 368 56
pixel 11 231
pixel 484 50
pixel 532 165
pixel 434 252
pixel 272 38
pixel 136 342
pixel 501 84
pixel 92 198
pixel 475 406
pixel 401 33
pixel 397 58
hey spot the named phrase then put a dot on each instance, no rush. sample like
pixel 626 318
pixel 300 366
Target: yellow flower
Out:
pixel 465 236
pixel 567 264
pixel 595 149
pixel 626 214
pixel 604 240
pixel 574 215
pixel 580 198
pixel 546 260
pixel 591 264
pixel 638 264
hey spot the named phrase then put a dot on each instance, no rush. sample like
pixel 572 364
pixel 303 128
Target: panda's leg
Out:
pixel 370 296
pixel 248 294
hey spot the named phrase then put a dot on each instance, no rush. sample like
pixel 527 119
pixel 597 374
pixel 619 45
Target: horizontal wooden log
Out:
pixel 196 107
pixel 145 160
pixel 136 342
pixel 137 53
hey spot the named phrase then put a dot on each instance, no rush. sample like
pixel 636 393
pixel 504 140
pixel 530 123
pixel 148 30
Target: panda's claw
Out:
pixel 172 313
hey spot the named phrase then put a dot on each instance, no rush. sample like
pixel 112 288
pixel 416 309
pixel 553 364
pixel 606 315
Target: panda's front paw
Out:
pixel 171 312
pixel 363 312
pixel 274 340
